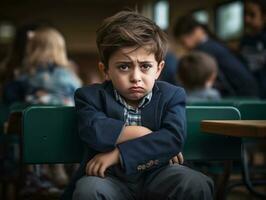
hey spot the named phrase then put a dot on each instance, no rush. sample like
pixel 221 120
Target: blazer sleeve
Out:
pixel 155 149
pixel 97 130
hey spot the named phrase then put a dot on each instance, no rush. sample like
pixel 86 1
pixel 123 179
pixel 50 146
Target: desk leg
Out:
pixel 246 174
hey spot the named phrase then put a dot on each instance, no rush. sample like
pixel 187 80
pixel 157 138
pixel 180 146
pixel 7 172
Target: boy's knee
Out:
pixel 89 188
pixel 199 186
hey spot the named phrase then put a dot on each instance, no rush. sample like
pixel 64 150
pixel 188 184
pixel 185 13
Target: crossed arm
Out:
pixel 99 163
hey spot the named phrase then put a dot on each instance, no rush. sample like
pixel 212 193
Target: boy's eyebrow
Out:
pixel 145 61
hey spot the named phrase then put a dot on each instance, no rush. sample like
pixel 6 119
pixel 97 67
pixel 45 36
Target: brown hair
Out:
pixel 130 29
pixel 195 69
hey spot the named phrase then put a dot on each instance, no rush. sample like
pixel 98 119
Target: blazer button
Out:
pixel 149 164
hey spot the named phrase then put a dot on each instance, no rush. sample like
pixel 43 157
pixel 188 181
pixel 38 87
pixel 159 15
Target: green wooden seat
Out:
pixel 203 146
pixel 50 135
pixel 252 110
pixel 226 102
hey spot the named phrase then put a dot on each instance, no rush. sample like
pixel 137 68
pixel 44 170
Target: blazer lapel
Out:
pixel 150 114
pixel 113 108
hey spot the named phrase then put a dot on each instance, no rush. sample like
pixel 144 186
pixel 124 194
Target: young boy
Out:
pixel 133 125
pixel 197 73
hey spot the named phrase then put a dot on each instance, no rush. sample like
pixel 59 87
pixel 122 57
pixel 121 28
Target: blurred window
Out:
pixel 7 32
pixel 161 14
pixel 229 20
pixel 201 16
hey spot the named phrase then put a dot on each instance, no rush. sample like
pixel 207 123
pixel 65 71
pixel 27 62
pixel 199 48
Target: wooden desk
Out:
pixel 237 128
pixel 240 128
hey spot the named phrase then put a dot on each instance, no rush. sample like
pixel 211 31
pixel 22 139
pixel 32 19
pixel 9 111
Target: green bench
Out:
pixel 50 135
pixel 252 110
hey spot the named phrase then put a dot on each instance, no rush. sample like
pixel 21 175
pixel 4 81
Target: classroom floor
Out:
pixel 241 193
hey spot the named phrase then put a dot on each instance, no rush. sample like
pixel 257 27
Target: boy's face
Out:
pixel 133 73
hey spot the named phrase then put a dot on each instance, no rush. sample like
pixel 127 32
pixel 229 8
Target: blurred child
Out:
pixel 197 73
pixel 49 75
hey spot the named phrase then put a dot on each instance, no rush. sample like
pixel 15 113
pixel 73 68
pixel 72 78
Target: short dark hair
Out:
pixel 195 69
pixel 185 25
pixel 128 29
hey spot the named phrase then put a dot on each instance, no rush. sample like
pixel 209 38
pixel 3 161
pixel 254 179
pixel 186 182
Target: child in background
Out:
pixel 197 73
pixel 49 74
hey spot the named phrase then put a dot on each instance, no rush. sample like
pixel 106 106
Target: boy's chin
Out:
pixel 135 97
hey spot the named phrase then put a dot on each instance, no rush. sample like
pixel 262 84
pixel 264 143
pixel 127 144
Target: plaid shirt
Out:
pixel 132 116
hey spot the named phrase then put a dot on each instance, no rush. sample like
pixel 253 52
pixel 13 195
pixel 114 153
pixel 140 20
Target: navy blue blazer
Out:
pixel 101 119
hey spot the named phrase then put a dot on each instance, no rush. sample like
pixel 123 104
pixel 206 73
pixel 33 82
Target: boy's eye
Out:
pixel 145 67
pixel 123 67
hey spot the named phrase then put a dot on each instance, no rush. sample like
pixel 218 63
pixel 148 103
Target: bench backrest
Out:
pixel 204 146
pixel 252 111
pixel 50 135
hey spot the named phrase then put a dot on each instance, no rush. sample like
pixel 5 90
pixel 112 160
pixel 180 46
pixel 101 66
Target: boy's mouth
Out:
pixel 136 89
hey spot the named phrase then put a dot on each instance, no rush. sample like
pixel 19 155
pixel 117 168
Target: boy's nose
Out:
pixel 135 76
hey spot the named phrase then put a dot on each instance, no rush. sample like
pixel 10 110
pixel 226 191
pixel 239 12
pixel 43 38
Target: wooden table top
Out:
pixel 237 128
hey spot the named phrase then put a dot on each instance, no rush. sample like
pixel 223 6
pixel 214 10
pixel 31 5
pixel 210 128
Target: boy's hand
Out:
pixel 178 159
pixel 99 163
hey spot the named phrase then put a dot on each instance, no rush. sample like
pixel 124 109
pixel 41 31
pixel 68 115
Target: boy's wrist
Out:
pixel 116 155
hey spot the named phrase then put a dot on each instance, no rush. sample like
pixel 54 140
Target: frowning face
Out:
pixel 133 73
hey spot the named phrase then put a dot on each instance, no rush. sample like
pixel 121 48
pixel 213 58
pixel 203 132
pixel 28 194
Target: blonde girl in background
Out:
pixel 50 79
pixel 50 75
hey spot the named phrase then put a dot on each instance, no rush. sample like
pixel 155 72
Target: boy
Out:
pixel 132 125
pixel 197 72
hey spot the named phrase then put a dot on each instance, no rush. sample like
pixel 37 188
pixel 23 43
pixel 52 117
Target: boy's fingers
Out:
pixel 170 162
pixel 87 168
pixel 95 169
pixel 101 171
pixel 180 158
pixel 90 170
pixel 175 159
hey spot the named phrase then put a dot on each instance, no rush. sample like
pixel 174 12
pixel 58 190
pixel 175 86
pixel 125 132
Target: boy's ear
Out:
pixel 103 70
pixel 159 69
